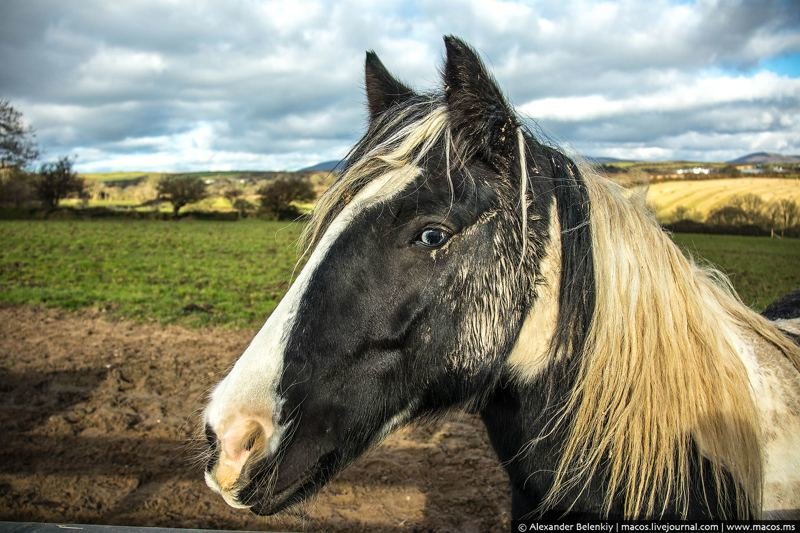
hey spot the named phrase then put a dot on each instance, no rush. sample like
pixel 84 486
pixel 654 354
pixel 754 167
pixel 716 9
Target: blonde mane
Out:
pixel 660 384
pixel 404 139
pixel 660 371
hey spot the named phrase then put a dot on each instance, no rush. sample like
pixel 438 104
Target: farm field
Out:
pixel 703 196
pixel 232 274
pixel 761 269
pixel 137 191
pixel 196 273
pixel 112 333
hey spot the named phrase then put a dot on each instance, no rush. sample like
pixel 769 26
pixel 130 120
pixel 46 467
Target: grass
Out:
pixel 191 272
pixel 233 274
pixel 761 269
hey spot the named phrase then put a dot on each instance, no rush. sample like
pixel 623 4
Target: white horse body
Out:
pixel 776 390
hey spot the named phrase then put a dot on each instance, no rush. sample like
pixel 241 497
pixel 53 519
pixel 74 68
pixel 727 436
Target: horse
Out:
pixel 458 262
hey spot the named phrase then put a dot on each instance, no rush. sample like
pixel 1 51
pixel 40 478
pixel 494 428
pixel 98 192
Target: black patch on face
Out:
pixel 387 326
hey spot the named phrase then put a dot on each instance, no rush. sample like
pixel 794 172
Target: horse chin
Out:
pixel 265 501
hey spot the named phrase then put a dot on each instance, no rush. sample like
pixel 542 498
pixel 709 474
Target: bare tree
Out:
pixel 684 213
pixel 180 191
pixel 17 139
pixel 784 214
pixel 728 215
pixel 57 181
pixel 753 208
pixel 17 151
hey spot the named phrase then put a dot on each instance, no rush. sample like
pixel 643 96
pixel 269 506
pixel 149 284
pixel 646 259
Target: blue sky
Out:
pixel 784 64
pixel 246 84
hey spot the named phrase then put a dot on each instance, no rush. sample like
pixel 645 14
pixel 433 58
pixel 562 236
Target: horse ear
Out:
pixel 478 110
pixel 383 90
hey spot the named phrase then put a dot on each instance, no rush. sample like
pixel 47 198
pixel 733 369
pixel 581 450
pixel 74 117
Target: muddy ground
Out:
pixel 97 418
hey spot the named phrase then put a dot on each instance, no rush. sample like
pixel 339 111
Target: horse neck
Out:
pixel 522 410
pixel 518 416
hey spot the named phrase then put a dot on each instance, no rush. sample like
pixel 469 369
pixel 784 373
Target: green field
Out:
pixel 233 274
pixel 761 269
pixel 191 272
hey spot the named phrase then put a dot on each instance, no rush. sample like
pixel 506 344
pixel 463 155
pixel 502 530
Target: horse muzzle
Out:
pixel 238 442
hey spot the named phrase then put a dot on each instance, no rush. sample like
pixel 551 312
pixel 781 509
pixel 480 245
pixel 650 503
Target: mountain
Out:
pixel 764 157
pixel 606 160
pixel 325 166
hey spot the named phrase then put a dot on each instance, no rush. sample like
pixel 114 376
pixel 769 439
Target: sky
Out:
pixel 179 85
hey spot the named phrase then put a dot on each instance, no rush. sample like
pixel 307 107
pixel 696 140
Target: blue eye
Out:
pixel 433 237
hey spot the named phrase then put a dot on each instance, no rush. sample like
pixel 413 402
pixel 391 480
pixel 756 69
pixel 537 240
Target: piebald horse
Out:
pixel 459 262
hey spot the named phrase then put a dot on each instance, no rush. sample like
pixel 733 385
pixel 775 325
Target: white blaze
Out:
pixel 251 387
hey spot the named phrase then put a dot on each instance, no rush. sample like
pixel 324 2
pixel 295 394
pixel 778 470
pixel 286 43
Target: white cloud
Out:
pixel 279 84
pixel 114 62
pixel 684 94
pixel 186 151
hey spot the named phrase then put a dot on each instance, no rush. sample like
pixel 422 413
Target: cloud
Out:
pixel 193 85
pixel 678 95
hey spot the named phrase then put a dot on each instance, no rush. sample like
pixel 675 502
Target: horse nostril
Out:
pixel 251 440
pixel 243 437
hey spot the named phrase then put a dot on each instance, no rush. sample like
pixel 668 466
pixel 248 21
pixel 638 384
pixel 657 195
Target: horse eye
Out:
pixel 433 237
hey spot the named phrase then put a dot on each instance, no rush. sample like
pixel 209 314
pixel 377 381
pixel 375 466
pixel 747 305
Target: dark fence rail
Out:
pixel 39 527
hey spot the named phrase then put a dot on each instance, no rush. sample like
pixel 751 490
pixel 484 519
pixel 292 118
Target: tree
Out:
pixel 728 170
pixel 232 194
pixel 57 181
pixel 684 213
pixel 180 191
pixel 277 196
pixel 784 214
pixel 235 197
pixel 17 140
pixel 729 215
pixel 752 206
pixel 16 187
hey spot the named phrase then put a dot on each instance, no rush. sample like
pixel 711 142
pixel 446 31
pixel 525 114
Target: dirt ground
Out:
pixel 97 418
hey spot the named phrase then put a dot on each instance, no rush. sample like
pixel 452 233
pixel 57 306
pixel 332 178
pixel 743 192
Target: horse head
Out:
pixel 418 280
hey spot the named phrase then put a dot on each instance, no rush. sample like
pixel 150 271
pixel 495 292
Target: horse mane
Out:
pixel 659 378
pixel 393 140
pixel 651 335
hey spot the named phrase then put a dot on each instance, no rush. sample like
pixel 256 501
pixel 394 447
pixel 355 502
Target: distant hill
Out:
pixel 764 157
pixel 325 166
pixel 606 160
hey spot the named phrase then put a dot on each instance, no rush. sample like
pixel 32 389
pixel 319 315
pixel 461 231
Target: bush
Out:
pixel 16 188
